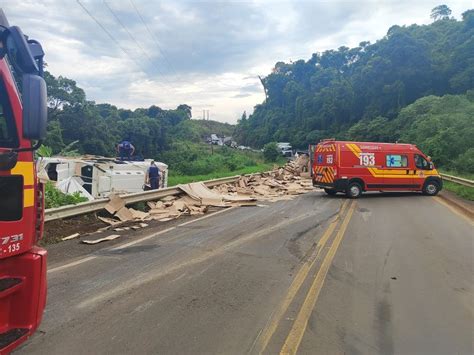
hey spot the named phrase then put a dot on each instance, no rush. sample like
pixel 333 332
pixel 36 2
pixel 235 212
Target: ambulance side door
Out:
pixel 398 171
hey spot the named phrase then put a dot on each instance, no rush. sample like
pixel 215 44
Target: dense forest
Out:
pixel 370 92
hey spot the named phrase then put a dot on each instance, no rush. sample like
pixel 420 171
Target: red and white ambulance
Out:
pixel 355 167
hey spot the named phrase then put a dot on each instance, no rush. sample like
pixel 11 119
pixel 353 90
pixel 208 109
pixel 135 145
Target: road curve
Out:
pixel 387 273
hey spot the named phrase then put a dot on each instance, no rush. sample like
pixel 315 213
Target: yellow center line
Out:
pixel 300 277
pixel 295 336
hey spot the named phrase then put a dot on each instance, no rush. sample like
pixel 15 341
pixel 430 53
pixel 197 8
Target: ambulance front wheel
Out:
pixel 431 188
pixel 354 190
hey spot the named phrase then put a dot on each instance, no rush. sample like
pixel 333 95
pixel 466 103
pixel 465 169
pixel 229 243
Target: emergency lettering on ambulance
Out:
pixel 355 167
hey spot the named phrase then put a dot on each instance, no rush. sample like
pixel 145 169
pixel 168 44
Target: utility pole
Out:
pixel 210 132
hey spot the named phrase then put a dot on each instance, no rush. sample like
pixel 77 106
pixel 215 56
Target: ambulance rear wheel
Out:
pixel 354 190
pixel 431 188
pixel 330 192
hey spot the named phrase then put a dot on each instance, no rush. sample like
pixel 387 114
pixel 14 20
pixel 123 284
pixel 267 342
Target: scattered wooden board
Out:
pixel 72 236
pixel 105 239
pixel 115 204
pixel 109 221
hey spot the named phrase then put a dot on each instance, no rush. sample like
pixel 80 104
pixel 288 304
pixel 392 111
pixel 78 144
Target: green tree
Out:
pixel 270 152
pixel 465 161
pixel 440 12
pixel 62 92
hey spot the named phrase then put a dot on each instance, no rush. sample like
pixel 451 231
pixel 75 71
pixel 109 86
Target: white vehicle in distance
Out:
pixel 285 149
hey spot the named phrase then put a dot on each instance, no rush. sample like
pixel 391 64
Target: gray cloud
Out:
pixel 238 96
pixel 208 53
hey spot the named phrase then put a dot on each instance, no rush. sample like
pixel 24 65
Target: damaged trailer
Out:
pixel 97 177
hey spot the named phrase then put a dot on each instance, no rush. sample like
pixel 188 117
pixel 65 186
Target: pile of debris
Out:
pixel 195 200
pixel 280 184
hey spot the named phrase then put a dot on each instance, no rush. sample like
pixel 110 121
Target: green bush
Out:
pixel 465 162
pixel 55 198
pixel 270 152
pixel 198 159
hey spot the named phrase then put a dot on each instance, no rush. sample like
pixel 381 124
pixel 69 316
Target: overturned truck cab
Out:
pixel 96 177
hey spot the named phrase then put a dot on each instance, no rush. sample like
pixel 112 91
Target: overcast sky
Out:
pixel 205 54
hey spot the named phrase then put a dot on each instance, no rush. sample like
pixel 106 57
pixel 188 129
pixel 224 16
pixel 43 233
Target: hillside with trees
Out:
pixel 78 126
pixel 96 128
pixel 361 92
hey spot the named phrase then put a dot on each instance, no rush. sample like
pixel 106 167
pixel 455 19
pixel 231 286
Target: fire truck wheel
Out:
pixel 431 188
pixel 354 190
pixel 330 192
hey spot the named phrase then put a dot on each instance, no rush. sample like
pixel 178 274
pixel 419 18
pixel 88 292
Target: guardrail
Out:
pixel 97 205
pixel 458 180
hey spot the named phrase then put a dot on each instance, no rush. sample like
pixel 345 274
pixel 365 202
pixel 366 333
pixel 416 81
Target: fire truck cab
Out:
pixel 355 167
pixel 22 127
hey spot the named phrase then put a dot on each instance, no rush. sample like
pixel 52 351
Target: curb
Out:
pixel 457 204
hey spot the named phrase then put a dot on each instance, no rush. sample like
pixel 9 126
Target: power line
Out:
pixel 153 37
pixel 112 37
pixel 135 40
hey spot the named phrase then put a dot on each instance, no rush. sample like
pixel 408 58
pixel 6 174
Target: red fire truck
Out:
pixel 22 126
pixel 354 167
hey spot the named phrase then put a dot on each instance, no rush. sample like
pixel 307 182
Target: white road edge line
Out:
pixel 74 263
pixel 207 216
pixel 126 245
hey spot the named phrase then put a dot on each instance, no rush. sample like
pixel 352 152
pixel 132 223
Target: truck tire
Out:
pixel 431 188
pixel 354 190
pixel 330 192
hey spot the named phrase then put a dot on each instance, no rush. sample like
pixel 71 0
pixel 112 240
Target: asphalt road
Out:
pixel 314 275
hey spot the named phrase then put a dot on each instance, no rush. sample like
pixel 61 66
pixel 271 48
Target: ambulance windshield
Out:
pixel 421 163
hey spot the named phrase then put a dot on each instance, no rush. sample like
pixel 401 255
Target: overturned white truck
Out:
pixel 97 177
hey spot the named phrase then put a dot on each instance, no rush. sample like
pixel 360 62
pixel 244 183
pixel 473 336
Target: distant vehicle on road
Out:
pixel 285 149
pixel 216 140
pixel 355 167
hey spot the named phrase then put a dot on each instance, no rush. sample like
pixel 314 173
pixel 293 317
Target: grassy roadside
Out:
pixel 176 179
pixel 460 190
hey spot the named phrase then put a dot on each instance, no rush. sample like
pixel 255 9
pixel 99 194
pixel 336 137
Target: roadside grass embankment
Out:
pixel 192 162
pixel 462 191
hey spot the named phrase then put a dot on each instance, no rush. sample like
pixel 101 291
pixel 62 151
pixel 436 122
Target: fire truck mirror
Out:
pixel 35 111
pixel 19 52
pixel 8 160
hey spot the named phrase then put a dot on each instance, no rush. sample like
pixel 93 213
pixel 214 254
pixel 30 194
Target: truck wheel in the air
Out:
pixel 354 190
pixel 330 192
pixel 431 188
